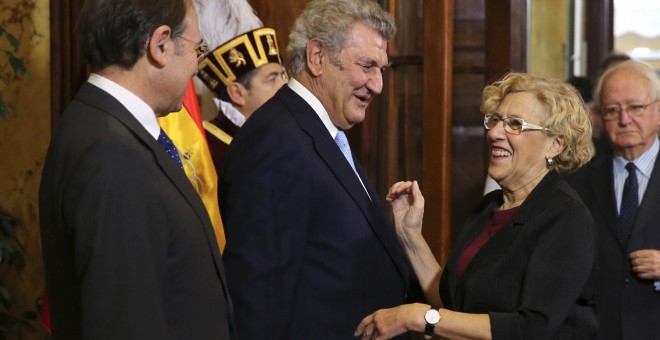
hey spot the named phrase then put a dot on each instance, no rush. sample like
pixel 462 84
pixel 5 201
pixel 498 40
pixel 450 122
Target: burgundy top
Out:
pixel 494 224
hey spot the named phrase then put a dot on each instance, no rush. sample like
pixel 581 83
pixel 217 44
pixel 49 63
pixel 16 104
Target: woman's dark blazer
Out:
pixel 534 278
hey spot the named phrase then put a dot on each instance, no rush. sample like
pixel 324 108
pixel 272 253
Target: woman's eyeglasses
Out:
pixel 512 125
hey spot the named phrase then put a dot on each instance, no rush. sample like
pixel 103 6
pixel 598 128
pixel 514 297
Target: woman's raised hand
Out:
pixel 408 207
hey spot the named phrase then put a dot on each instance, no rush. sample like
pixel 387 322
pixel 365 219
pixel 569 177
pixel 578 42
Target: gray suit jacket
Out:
pixel 628 307
pixel 129 250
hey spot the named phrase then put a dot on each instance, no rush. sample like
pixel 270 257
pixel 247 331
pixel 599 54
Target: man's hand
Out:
pixel 646 263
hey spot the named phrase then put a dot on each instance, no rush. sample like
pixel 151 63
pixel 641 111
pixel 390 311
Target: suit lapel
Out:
pixel 601 183
pixel 335 160
pixel 101 100
pixel 500 243
pixel 472 226
pixel 492 250
pixel 647 215
pixel 383 228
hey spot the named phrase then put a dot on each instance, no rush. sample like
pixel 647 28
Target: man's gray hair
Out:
pixel 329 22
pixel 637 65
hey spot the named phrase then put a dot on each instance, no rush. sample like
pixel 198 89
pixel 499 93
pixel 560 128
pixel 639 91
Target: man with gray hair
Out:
pixel 310 249
pixel 622 191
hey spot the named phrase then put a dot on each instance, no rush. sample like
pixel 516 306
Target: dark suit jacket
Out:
pixel 308 255
pixel 628 307
pixel 535 276
pixel 218 147
pixel 129 250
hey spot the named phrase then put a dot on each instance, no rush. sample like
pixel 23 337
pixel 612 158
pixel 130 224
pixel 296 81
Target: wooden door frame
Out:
pixel 599 25
pixel 506 38
pixel 67 66
pixel 437 124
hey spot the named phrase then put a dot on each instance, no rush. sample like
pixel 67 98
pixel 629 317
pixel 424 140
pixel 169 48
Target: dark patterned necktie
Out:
pixel 167 144
pixel 629 202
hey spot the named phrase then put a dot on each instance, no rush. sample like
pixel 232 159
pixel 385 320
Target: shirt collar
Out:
pixel 644 163
pixel 316 105
pixel 228 109
pixel 136 106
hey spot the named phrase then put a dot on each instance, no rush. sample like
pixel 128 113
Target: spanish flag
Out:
pixel 186 131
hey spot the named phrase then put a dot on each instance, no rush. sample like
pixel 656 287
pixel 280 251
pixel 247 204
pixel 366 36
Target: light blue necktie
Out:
pixel 167 144
pixel 342 143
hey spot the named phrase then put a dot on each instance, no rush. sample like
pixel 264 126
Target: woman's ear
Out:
pixel 557 146
pixel 237 93
pixel 314 55
pixel 158 45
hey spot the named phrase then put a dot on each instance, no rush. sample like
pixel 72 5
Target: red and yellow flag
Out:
pixel 186 131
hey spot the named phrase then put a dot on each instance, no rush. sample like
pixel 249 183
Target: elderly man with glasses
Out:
pixel 622 191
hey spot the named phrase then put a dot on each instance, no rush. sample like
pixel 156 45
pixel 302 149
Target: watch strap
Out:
pixel 428 331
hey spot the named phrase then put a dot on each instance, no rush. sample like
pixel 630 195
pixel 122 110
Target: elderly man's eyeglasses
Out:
pixel 201 49
pixel 612 112
pixel 512 125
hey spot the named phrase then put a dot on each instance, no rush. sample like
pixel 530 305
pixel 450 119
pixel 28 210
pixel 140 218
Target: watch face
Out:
pixel 432 316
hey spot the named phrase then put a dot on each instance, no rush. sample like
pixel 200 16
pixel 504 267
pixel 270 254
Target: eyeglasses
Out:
pixel 512 125
pixel 201 49
pixel 612 112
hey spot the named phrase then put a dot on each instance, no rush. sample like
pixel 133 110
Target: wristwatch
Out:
pixel 432 317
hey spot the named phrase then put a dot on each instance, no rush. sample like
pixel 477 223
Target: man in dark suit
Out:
pixel 622 191
pixel 129 250
pixel 310 249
